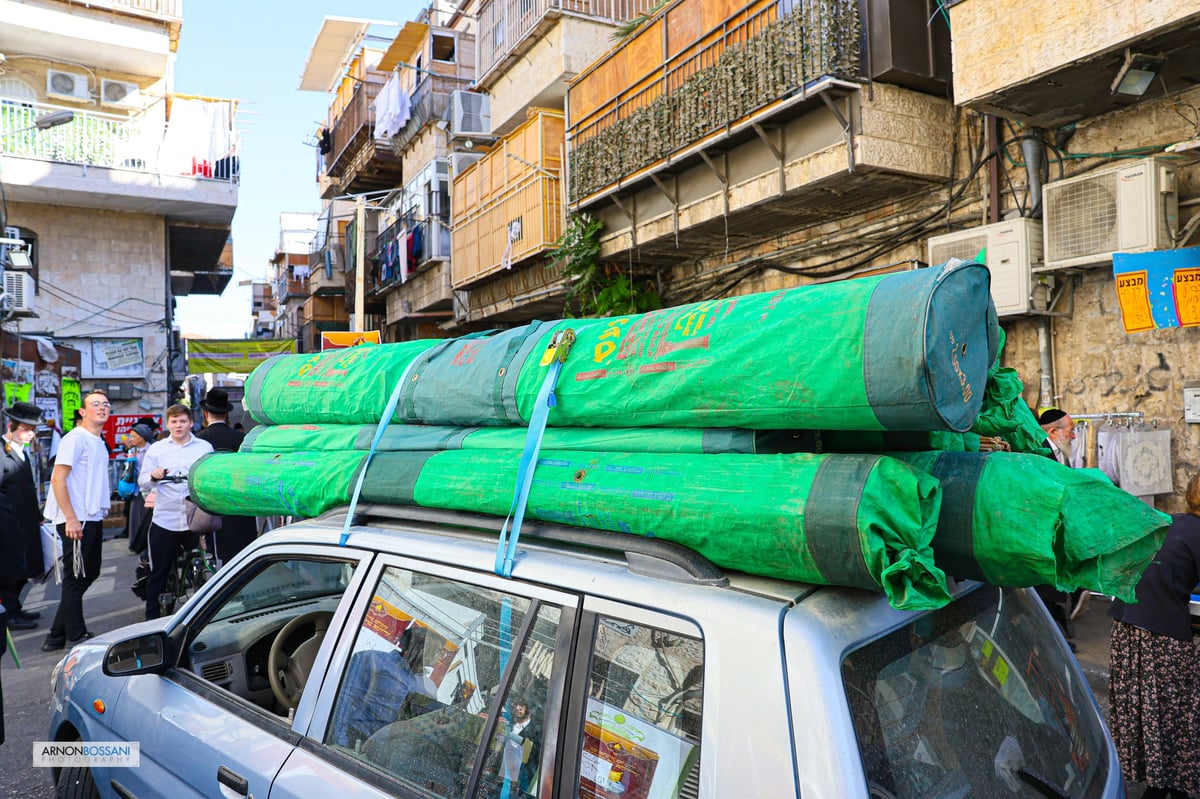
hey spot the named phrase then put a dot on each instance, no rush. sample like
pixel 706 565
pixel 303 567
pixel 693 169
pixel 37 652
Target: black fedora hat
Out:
pixel 25 413
pixel 217 401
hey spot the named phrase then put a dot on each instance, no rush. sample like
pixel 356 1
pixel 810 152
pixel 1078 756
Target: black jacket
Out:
pixel 222 437
pixel 20 493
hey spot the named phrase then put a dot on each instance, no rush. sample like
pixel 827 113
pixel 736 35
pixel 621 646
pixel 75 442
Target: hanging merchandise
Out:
pixel 904 351
pixel 876 515
pixel 1145 462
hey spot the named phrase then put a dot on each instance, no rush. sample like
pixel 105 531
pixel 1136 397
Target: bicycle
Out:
pixel 192 567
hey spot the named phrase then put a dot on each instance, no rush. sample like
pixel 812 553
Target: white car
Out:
pixel 607 667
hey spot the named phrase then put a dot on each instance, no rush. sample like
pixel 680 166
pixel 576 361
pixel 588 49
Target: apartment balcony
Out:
pixel 426 295
pixel 357 162
pixel 508 28
pixel 291 289
pixel 326 274
pixel 703 133
pixel 516 297
pixel 405 249
pixel 136 37
pixel 185 169
pixel 1050 63
pixel 529 50
pixel 430 103
pixel 508 205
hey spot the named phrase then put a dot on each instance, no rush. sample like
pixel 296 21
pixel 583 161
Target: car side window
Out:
pixel 260 642
pixel 641 735
pixel 446 686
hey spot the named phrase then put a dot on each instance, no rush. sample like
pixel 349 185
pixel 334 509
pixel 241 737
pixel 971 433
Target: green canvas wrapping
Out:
pixel 1005 412
pixel 905 351
pixel 875 514
pixel 1015 519
pixel 397 437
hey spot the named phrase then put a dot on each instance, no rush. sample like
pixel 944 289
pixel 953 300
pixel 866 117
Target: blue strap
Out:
pixel 390 409
pixel 506 548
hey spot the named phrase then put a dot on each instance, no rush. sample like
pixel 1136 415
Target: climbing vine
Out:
pixel 597 288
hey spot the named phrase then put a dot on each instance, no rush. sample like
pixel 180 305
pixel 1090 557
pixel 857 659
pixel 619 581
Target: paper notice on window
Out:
pixel 119 353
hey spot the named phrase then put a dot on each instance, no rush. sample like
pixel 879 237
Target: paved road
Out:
pixel 107 605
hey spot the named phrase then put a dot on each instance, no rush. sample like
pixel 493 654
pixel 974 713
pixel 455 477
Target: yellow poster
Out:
pixel 339 339
pixel 1187 296
pixel 1134 299
pixel 234 355
pixel 17 392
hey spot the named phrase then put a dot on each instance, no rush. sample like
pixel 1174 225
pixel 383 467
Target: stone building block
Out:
pixel 999 43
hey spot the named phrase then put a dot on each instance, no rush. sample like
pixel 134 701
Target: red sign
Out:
pixel 118 426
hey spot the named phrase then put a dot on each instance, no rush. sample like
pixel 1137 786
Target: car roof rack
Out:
pixel 651 557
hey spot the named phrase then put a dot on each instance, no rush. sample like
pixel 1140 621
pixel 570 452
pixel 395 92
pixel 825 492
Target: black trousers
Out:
pixel 68 619
pixel 163 546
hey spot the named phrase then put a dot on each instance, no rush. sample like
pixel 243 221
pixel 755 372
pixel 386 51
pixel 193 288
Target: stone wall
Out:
pixel 102 274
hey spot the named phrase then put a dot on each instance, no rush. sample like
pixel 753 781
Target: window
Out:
pixel 446 687
pixel 260 643
pixel 942 708
pixel 443 48
pixel 641 733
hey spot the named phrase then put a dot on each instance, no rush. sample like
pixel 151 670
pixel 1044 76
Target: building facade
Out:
pixel 121 191
pixel 721 148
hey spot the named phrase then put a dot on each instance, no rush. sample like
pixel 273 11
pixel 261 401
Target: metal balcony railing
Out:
pixel 431 242
pixel 505 24
pixel 766 52
pixel 152 8
pixel 117 142
pixel 349 126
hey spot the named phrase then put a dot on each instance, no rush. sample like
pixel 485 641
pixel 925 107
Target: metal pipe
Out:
pixel 1034 150
pixel 1046 388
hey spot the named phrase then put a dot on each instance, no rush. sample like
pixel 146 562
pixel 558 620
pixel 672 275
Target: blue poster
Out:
pixel 1158 289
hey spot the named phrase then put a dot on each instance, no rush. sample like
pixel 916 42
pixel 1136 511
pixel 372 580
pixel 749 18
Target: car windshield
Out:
pixel 976 699
pixel 288 581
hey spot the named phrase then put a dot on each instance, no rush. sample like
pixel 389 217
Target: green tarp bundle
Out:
pixel 875 514
pixel 1005 412
pixel 906 351
pixel 322 437
pixel 1025 520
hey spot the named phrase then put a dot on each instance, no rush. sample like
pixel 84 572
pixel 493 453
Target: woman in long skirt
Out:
pixel 1154 670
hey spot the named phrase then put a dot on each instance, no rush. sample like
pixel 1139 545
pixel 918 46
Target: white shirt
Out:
pixel 169 511
pixel 87 482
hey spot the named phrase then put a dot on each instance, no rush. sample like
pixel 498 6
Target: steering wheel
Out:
pixel 288 673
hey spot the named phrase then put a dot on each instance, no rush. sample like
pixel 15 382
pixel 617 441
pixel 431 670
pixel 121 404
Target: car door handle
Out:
pixel 231 779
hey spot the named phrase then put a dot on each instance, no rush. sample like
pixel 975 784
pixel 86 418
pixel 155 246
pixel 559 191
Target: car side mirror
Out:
pixel 145 654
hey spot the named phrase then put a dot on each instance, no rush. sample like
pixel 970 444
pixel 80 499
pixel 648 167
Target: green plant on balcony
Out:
pixel 598 289
pixel 774 61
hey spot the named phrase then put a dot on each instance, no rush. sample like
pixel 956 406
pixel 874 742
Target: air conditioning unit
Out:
pixel 119 92
pixel 18 289
pixel 1014 249
pixel 470 114
pixel 460 161
pixel 67 85
pixel 1130 207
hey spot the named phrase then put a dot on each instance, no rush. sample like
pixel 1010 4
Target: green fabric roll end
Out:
pixel 912 582
pixel 1128 531
pixel 1021 520
pixel 304 484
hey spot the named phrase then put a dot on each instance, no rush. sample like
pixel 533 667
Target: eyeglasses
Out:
pixel 100 404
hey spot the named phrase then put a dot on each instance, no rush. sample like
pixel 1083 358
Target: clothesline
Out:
pixel 1125 415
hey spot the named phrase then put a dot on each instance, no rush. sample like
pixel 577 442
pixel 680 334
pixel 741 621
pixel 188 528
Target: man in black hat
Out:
pixel 236 532
pixel 1060 440
pixel 22 530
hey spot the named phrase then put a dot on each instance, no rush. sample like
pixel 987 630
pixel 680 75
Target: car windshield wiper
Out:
pixel 1042 785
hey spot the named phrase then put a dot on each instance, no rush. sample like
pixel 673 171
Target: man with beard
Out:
pixel 1060 439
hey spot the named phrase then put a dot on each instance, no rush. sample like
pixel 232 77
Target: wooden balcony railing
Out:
pixel 507 206
pixel 505 24
pixel 351 127
pixel 670 87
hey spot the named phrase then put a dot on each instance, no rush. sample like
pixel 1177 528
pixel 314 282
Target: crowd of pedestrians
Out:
pixel 80 498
